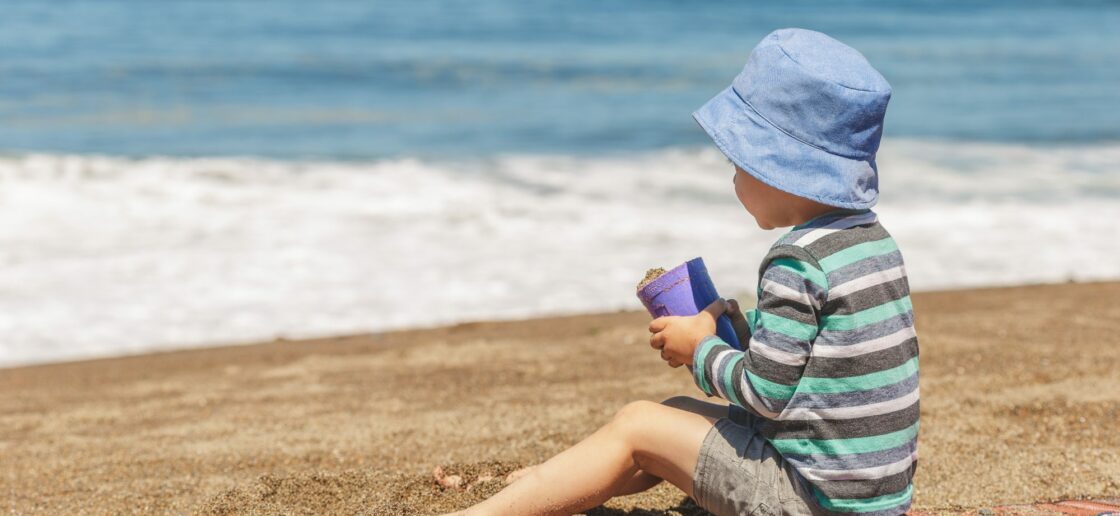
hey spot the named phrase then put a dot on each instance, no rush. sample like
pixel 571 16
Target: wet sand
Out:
pixel 1020 403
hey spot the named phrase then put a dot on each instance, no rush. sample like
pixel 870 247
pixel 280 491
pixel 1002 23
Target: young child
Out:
pixel 823 414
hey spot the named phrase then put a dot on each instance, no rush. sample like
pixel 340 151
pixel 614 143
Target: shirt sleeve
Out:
pixel 762 378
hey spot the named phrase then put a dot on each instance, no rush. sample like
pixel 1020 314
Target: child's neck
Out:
pixel 812 212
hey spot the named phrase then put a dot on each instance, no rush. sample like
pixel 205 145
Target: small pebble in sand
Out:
pixel 445 480
pixel 456 481
pixel 481 479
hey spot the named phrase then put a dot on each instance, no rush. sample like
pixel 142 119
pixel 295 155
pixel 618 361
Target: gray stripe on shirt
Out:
pixel 865 333
pixel 840 240
pixel 864 267
pixel 868 298
pixel 852 399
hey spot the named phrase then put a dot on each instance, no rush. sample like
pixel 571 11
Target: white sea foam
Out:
pixel 105 256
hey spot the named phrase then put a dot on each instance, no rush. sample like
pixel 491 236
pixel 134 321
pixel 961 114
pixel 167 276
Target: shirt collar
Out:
pixel 830 216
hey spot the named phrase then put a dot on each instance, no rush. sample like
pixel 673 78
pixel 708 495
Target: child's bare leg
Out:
pixel 713 411
pixel 663 441
pixel 642 480
pixel 637 483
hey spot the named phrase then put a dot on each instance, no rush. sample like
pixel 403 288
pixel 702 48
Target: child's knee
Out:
pixel 632 414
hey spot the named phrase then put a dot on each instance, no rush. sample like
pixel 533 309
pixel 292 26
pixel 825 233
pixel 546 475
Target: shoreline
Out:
pixel 1020 395
pixel 220 345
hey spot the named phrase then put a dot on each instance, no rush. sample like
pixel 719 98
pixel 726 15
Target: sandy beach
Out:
pixel 1020 402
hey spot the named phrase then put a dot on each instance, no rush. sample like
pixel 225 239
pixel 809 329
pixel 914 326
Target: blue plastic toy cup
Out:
pixel 686 290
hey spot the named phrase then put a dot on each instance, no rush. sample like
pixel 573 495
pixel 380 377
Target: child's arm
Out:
pixel 764 376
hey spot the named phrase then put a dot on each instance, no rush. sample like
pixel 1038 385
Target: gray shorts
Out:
pixel 739 472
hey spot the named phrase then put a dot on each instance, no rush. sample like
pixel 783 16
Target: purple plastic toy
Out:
pixel 686 290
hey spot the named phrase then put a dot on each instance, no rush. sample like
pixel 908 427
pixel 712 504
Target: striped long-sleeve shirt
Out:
pixel 832 363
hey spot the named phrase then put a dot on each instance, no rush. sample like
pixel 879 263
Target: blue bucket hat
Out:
pixel 804 116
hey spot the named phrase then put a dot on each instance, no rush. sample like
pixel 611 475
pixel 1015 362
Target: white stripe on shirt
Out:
pixel 858 411
pixel 790 294
pixel 853 350
pixel 832 227
pixel 873 472
pixel 752 399
pixel 866 281
pixel 717 367
pixel 775 354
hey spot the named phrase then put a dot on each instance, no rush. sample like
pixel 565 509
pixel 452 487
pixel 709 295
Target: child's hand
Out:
pixel 677 336
pixel 739 322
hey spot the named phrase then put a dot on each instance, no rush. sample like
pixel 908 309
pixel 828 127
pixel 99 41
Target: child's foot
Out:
pixel 510 478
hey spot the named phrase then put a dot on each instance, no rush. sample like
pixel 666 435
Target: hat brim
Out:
pixel 782 161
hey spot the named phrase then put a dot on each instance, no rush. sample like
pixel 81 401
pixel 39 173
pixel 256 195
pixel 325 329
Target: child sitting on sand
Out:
pixel 823 414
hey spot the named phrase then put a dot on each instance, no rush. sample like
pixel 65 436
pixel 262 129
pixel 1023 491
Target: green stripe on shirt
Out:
pixel 848 446
pixel 794 329
pixel 770 389
pixel 877 503
pixel 856 253
pixel 815 385
pixel 869 316
pixel 803 269
pixel 728 382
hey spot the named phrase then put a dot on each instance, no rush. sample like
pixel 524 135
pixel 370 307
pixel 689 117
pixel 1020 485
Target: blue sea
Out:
pixel 188 173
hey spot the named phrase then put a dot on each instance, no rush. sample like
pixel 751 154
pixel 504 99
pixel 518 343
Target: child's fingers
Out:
pixel 657 340
pixel 674 363
pixel 716 308
pixel 659 323
pixel 738 320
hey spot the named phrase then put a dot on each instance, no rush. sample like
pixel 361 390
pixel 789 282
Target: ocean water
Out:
pixel 182 174
pixel 350 79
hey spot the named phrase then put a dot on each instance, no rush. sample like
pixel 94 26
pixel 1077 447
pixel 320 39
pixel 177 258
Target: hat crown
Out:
pixel 818 90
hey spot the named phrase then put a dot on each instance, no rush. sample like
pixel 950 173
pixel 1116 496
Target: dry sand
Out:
pixel 651 275
pixel 1020 402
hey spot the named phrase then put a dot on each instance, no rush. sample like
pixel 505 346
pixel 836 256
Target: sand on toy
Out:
pixel 651 275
